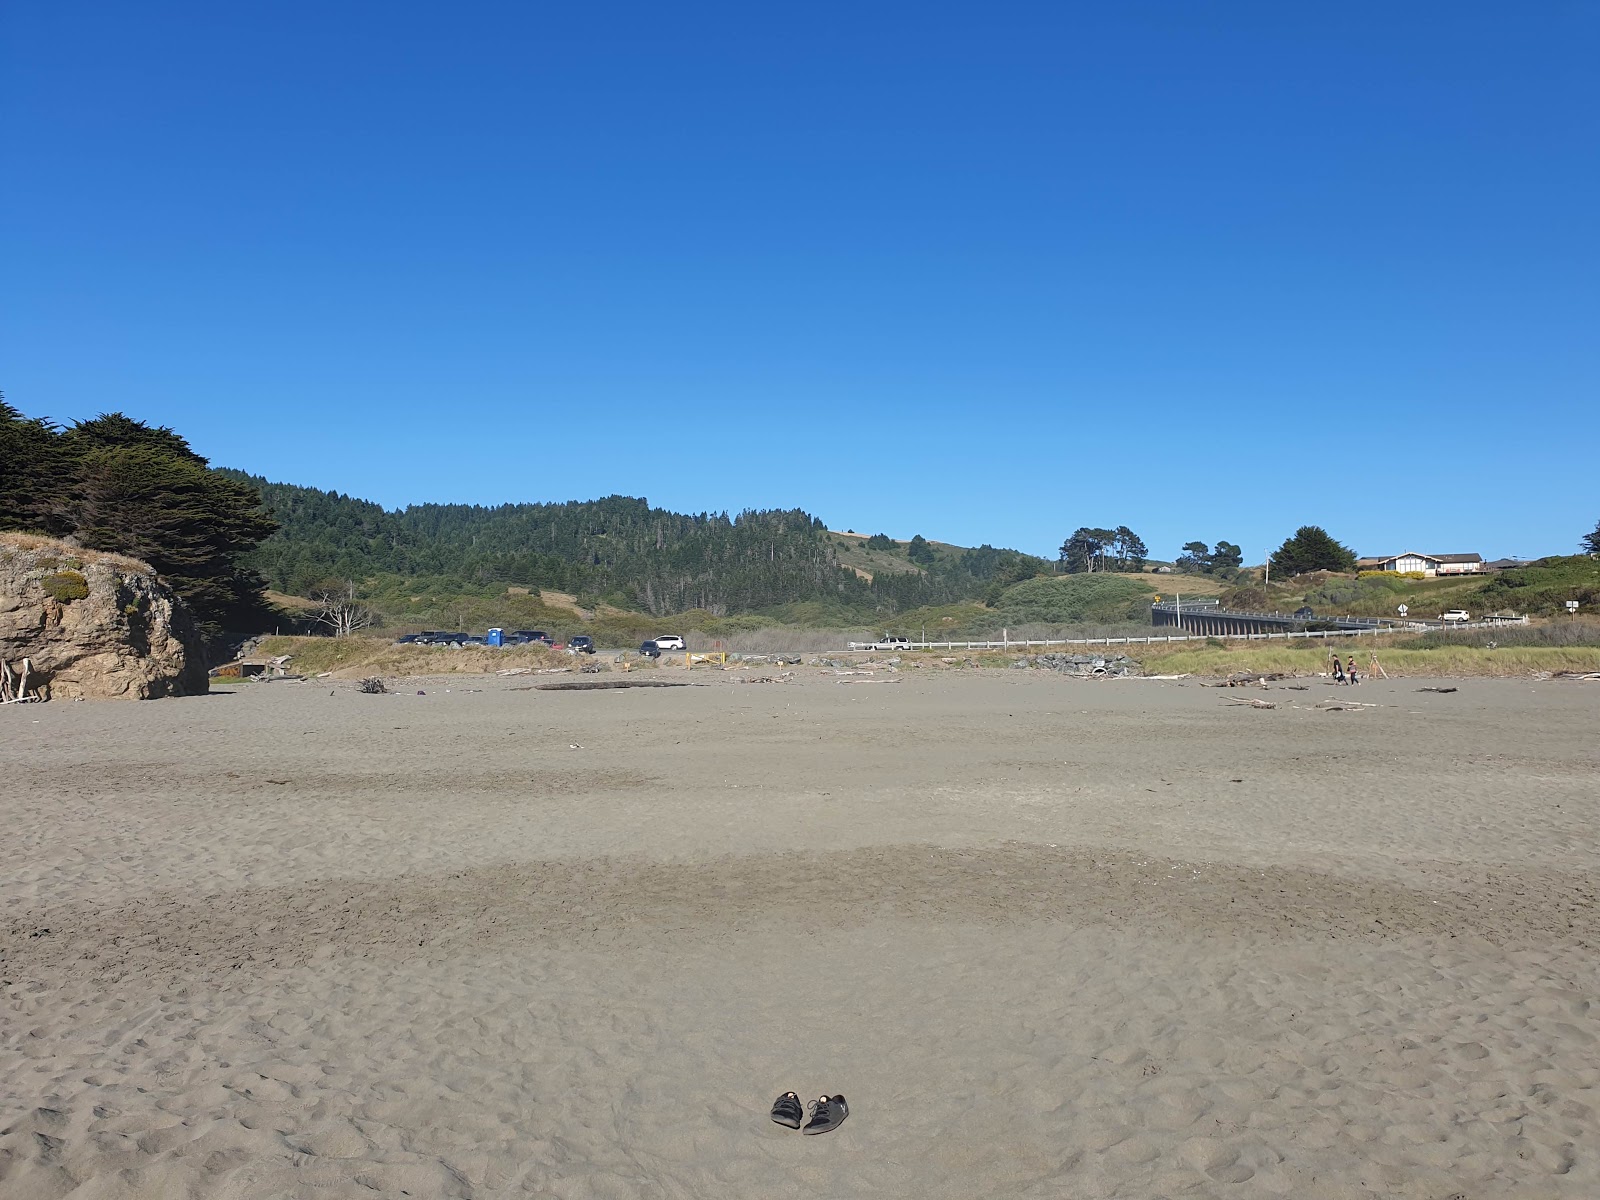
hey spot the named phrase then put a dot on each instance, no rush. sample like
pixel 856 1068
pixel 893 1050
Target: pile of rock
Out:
pixel 1088 666
pixel 94 626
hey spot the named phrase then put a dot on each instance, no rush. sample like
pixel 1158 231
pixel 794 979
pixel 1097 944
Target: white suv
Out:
pixel 669 641
pixel 1455 616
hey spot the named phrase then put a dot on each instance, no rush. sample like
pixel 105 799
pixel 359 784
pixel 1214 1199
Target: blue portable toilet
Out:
pixel 497 637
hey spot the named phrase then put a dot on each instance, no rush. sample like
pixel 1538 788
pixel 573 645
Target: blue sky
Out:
pixel 983 272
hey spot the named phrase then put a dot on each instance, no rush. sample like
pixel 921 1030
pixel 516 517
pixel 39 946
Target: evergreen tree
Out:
pixel 35 475
pixel 189 523
pixel 1227 557
pixel 1312 549
pixel 1089 549
pixel 1085 549
pixel 113 483
pixel 1130 549
pixel 919 551
pixel 1591 541
pixel 1195 559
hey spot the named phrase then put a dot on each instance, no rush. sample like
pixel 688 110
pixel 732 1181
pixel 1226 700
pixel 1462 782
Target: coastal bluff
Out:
pixel 94 626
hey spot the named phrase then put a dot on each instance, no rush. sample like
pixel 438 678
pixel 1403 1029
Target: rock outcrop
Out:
pixel 94 626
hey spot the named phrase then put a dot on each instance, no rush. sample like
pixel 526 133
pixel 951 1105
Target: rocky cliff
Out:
pixel 94 626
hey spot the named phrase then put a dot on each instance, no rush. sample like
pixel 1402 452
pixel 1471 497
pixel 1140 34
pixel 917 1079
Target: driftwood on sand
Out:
pixel 14 688
pixel 596 685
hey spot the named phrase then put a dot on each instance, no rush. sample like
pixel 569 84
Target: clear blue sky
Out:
pixel 985 272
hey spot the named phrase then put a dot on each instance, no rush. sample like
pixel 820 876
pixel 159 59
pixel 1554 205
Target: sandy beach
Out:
pixel 1051 937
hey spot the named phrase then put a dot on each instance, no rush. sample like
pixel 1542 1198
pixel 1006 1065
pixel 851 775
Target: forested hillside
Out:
pixel 619 550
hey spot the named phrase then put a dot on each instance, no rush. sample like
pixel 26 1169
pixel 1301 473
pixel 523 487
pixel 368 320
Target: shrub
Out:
pixel 1544 587
pixel 65 586
pixel 1336 593
pixel 1068 599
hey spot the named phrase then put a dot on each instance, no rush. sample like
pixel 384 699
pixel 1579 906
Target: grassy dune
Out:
pixel 354 657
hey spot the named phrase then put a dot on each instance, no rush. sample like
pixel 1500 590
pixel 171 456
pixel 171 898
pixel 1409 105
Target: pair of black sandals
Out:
pixel 827 1112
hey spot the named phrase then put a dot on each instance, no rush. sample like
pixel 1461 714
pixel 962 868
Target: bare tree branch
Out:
pixel 339 610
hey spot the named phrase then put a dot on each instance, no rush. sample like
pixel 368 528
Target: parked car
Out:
pixel 894 642
pixel 1456 616
pixel 410 639
pixel 650 649
pixel 534 635
pixel 581 644
pixel 669 641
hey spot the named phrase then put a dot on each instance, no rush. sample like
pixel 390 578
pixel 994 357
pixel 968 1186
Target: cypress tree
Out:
pixel 35 475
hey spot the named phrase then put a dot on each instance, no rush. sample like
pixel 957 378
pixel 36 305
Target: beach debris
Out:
pixel 1441 690
pixel 867 681
pixel 14 688
pixel 1347 706
pixel 1247 679
pixel 1250 703
pixel 1085 666
pixel 371 686
pixel 595 685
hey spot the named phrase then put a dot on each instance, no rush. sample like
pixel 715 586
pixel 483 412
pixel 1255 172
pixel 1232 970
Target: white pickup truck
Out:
pixel 1455 616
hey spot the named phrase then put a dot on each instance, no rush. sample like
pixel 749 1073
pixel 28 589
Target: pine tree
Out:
pixel 1312 548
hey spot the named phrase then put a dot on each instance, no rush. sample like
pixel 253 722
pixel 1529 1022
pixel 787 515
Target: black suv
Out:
pixel 581 644
pixel 650 650
pixel 533 635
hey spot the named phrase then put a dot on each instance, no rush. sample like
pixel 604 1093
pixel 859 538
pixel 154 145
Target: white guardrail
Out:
pixel 1023 644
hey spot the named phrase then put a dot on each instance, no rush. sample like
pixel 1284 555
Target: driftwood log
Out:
pixel 596 685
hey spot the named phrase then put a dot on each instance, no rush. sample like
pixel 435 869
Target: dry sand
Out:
pixel 1052 938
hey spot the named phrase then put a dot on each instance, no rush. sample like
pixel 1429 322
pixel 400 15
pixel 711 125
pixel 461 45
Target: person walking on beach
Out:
pixel 1351 670
pixel 1338 671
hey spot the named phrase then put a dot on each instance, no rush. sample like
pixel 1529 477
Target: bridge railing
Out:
pixel 1158 639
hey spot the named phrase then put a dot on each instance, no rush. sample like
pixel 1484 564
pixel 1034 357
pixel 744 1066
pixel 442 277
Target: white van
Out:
pixel 669 641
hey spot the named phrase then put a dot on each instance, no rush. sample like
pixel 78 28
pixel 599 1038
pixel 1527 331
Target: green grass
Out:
pixel 1448 661
pixel 1558 631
